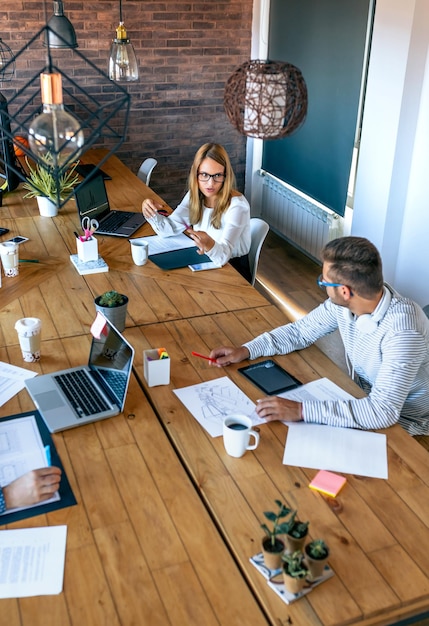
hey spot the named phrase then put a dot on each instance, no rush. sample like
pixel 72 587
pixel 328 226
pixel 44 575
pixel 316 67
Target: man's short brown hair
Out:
pixel 355 262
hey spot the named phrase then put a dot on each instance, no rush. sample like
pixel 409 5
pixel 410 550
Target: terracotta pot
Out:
pixel 47 208
pixel 315 566
pixel 273 558
pixel 293 585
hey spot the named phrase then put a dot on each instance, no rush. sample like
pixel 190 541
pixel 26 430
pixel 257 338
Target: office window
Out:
pixel 328 41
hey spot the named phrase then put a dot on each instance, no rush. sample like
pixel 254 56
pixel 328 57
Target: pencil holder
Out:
pixel 156 367
pixel 87 250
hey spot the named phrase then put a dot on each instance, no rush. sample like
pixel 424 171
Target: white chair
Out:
pixel 145 170
pixel 258 231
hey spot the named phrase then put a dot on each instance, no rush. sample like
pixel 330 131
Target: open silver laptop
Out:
pixel 79 395
pixel 92 201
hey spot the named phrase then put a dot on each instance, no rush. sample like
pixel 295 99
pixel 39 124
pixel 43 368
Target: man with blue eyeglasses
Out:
pixel 386 341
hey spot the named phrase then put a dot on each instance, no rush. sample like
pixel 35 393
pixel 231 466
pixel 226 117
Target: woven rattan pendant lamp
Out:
pixel 266 99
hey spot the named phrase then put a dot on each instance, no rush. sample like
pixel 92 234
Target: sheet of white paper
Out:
pixel 344 450
pixel 21 450
pixel 166 244
pixel 212 401
pixel 32 561
pixel 12 380
pixel 321 389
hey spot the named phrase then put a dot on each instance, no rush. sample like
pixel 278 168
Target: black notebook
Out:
pixel 174 259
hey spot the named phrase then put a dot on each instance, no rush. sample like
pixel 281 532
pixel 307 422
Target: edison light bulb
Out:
pixel 55 134
pixel 122 59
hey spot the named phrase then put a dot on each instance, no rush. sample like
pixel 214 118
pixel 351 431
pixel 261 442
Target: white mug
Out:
pixel 139 251
pixel 237 430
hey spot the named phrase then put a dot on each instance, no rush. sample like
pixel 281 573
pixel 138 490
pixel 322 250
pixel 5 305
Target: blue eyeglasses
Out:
pixel 323 284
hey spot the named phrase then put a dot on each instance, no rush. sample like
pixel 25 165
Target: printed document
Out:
pixel 32 561
pixel 12 380
pixel 159 244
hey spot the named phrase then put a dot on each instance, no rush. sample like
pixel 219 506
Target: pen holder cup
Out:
pixel 156 371
pixel 87 250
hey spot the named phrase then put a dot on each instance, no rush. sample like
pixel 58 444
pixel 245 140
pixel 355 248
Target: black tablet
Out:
pixel 270 377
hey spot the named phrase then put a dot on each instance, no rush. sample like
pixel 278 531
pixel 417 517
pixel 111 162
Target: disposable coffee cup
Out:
pixel 237 431
pixel 28 329
pixel 139 251
pixel 9 258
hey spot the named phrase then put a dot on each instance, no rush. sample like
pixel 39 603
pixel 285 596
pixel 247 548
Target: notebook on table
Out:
pixel 92 201
pixel 79 395
pixel 174 259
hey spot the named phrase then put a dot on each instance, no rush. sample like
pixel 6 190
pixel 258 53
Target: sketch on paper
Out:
pixel 210 402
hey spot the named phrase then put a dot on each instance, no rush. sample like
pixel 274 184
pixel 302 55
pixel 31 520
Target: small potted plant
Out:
pixel 296 535
pixel 294 571
pixel 272 546
pixel 41 184
pixel 316 556
pixel 113 306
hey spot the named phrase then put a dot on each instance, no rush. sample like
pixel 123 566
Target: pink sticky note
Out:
pixel 98 326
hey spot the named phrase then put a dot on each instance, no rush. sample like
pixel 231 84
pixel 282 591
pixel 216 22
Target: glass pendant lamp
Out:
pixel 122 59
pixel 55 134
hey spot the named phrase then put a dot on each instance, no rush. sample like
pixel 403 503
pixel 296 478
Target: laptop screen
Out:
pixel 91 199
pixel 111 358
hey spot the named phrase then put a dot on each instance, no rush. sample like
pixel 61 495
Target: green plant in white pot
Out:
pixel 41 184
pixel 113 306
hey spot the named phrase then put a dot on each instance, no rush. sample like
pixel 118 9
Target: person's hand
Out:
pixel 275 408
pixel 32 487
pixel 150 207
pixel 225 355
pixel 204 242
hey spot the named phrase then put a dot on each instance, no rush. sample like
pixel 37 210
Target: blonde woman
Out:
pixel 213 213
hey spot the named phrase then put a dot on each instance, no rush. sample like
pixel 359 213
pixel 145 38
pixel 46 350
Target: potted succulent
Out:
pixel 296 535
pixel 272 546
pixel 316 556
pixel 41 184
pixel 294 571
pixel 113 306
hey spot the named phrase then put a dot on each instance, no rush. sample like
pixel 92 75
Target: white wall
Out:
pixel 393 173
pixel 390 206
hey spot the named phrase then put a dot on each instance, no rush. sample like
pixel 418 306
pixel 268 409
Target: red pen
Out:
pixel 203 357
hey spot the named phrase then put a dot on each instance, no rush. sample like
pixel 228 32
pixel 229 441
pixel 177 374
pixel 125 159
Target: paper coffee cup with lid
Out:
pixel 28 329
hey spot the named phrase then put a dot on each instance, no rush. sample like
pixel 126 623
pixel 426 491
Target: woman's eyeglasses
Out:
pixel 204 177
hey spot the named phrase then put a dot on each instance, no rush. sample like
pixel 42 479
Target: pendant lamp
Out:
pixel 73 118
pixel 122 58
pixel 266 99
pixel 61 33
pixel 6 58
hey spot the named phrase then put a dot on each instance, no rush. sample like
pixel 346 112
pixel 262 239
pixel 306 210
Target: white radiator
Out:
pixel 304 224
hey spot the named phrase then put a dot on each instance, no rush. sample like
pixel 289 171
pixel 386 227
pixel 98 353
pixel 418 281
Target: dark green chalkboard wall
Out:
pixel 326 40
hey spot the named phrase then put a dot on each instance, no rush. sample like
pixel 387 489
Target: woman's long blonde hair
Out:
pixel 217 153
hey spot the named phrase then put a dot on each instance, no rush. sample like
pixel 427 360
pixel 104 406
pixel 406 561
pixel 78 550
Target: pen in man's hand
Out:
pixel 202 356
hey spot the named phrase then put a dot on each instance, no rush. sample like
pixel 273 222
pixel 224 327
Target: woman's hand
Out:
pixel 204 242
pixel 275 408
pixel 150 208
pixel 225 355
pixel 33 487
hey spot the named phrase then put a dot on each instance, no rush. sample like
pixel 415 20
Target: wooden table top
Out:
pixel 154 472
pixel 375 528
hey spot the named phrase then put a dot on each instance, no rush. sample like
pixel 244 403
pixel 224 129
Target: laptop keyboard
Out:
pixel 79 391
pixel 115 220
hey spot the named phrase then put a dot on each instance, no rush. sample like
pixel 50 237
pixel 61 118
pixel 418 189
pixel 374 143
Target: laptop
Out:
pixel 92 201
pixel 79 395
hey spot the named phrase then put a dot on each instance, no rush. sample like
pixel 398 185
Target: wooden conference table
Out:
pixel 153 488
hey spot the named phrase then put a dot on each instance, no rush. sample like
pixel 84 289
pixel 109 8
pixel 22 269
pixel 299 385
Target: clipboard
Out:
pixel 270 377
pixel 67 497
pixel 175 259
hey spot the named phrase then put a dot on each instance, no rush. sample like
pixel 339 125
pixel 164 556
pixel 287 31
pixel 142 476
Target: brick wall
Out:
pixel 185 50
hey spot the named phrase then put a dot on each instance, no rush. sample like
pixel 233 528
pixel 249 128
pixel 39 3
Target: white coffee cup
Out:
pixel 28 329
pixel 139 251
pixel 237 430
pixel 9 258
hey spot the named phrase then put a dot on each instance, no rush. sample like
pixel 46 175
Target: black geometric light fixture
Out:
pixel 88 116
pixel 6 58
pixel 266 99
pixel 122 58
pixel 61 33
